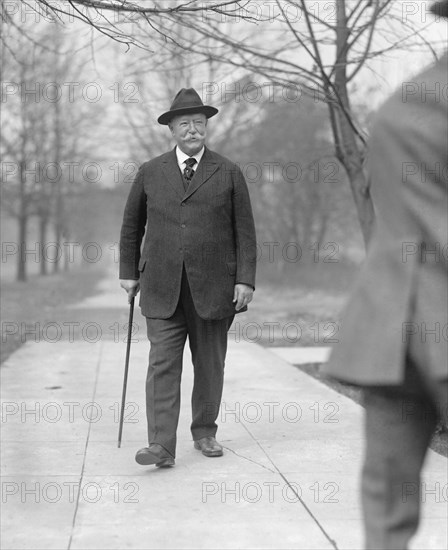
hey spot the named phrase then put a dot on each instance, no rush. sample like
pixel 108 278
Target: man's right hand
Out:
pixel 131 286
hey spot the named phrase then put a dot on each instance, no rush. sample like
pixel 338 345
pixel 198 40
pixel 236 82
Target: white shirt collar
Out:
pixel 182 157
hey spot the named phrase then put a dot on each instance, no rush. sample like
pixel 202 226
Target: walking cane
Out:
pixel 126 368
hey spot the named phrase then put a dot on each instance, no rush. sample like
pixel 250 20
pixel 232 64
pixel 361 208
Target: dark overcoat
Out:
pixel 400 303
pixel 209 228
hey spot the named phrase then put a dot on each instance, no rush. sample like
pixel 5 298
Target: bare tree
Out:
pixel 18 148
pixel 320 56
pixel 42 134
pixel 321 52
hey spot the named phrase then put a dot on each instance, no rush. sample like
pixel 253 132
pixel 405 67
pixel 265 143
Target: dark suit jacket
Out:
pixel 401 294
pixel 209 228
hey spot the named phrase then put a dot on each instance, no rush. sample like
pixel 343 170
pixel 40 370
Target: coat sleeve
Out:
pixel 244 228
pixel 133 229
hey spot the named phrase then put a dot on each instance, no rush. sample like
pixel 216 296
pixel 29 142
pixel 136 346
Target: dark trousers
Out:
pixel 208 345
pixel 400 422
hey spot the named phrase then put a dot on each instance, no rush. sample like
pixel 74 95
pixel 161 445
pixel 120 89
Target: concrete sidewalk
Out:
pixel 289 477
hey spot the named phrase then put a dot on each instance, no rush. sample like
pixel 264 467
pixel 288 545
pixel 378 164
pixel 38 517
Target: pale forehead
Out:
pixel 189 118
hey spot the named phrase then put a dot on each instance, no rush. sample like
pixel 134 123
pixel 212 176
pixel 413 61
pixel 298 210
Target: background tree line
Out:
pixel 287 79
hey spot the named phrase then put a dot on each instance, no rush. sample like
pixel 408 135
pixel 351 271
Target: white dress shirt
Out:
pixel 182 157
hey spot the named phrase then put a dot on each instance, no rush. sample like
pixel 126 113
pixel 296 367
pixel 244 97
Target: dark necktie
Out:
pixel 188 171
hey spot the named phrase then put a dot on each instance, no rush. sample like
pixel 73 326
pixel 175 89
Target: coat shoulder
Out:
pixel 420 94
pixel 221 159
pixel 156 161
pixel 225 163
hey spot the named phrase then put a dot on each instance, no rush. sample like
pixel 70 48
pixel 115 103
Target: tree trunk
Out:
pixel 43 226
pixel 351 158
pixel 65 254
pixel 349 153
pixel 363 202
pixel 21 264
pixel 57 146
pixel 23 221
pixel 58 241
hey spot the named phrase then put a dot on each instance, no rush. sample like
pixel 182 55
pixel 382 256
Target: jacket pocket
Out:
pixel 231 268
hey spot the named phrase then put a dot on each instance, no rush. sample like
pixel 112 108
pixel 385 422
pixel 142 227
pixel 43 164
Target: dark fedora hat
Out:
pixel 440 8
pixel 187 101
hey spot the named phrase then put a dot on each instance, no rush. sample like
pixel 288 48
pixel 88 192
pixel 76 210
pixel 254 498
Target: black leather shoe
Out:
pixel 154 454
pixel 209 446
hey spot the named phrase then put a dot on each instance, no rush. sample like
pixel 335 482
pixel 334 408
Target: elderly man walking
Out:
pixel 394 333
pixel 195 271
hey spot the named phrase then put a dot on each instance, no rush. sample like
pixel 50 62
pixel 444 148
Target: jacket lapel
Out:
pixel 206 168
pixel 172 173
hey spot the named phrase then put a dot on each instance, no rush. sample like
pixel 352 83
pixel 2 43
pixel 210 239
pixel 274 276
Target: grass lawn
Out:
pixel 29 306
pixel 280 317
pixel 291 316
